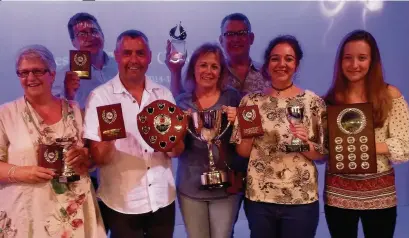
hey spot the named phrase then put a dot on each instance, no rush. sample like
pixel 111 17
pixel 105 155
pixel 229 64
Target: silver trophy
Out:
pixel 208 128
pixel 178 44
pixel 67 174
pixel 295 115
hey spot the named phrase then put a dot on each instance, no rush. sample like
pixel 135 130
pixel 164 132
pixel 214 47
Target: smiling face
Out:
pixel 88 37
pixel 356 60
pixel 207 71
pixel 236 38
pixel 282 64
pixel 35 77
pixel 133 57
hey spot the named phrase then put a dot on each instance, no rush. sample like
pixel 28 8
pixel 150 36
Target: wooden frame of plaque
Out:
pixel 351 139
pixel 249 121
pixel 80 63
pixel 111 122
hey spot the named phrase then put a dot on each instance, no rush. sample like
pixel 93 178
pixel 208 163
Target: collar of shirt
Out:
pixel 118 87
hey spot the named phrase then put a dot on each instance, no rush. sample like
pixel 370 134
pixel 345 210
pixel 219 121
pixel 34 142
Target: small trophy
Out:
pixel 207 127
pixel 111 122
pixel 178 49
pixel 80 62
pixel 295 115
pixel 162 125
pixel 352 147
pixel 53 157
pixel 249 121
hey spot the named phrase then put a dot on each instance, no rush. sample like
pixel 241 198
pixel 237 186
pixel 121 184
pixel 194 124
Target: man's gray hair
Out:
pixel 132 34
pixel 37 51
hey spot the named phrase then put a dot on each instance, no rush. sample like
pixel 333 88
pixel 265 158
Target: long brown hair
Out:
pixel 190 82
pixel 376 90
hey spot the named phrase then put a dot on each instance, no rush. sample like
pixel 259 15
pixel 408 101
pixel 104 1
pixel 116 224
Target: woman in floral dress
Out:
pixel 33 203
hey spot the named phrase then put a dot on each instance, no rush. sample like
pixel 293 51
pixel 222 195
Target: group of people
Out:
pixel 135 184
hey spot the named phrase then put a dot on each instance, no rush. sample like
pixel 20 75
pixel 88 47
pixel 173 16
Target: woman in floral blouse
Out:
pixel 282 190
pixel 34 204
pixel 358 78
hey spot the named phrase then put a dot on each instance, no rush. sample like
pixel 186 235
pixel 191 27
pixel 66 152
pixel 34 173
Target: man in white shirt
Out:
pixel 136 183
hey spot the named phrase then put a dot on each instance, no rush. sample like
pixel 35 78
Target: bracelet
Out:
pixel 10 174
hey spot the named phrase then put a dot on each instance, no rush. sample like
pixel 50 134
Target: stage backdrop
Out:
pixel 318 25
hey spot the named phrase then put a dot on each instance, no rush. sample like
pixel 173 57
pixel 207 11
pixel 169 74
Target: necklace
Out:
pixel 279 90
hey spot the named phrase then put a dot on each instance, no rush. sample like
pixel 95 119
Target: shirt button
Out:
pixel 146 151
pixel 134 101
pixel 150 185
pixel 149 168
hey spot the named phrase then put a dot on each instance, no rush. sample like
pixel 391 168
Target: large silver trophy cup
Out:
pixel 208 128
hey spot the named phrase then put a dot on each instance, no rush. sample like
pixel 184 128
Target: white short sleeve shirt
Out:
pixel 138 180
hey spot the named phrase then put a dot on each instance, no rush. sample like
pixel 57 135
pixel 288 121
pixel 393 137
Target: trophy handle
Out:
pixel 224 131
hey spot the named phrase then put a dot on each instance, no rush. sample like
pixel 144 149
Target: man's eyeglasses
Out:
pixel 36 72
pixel 83 34
pixel 236 33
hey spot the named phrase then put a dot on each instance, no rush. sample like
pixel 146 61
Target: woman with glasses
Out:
pixel 34 203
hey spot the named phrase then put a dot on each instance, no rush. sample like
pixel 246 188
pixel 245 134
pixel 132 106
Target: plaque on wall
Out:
pixel 351 139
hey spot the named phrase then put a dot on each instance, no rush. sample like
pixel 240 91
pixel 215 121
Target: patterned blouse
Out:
pixel 374 191
pixel 273 175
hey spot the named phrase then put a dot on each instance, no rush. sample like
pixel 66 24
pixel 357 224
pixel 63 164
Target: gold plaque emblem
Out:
pixel 249 115
pixel 162 123
pixel 109 117
pixel 80 59
pixel 51 156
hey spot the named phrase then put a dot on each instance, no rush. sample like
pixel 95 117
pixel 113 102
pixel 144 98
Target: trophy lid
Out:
pixel 182 33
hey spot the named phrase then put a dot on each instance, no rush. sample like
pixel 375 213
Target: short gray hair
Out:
pixel 37 51
pixel 133 34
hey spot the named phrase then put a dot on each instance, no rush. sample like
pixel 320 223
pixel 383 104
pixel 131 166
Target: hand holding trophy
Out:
pixel 295 115
pixel 177 52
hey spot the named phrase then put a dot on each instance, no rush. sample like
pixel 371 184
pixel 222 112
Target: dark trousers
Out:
pixel 159 224
pixel 268 220
pixel 343 223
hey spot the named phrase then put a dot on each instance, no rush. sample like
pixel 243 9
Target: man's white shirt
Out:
pixel 138 180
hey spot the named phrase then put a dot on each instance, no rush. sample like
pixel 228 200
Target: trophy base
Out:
pixel 297 148
pixel 214 179
pixel 214 186
pixel 69 179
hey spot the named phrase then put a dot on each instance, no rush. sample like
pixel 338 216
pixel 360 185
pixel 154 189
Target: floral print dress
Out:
pixel 50 209
pixel 273 175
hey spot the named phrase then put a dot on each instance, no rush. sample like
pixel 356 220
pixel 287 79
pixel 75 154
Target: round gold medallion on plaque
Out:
pixel 162 124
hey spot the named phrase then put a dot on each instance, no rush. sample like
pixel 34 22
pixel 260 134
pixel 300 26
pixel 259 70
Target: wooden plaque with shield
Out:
pixel 80 63
pixel 351 139
pixel 249 121
pixel 111 122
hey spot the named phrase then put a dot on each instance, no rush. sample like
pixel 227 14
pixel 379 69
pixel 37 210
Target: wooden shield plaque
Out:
pixel 249 121
pixel 162 125
pixel 51 157
pixel 351 139
pixel 80 62
pixel 111 122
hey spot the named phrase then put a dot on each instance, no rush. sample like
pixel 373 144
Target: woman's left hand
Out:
pixel 78 159
pixel 299 131
pixel 231 113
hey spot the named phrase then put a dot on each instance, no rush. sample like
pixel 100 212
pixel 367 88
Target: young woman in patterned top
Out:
pixel 358 78
pixel 282 190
